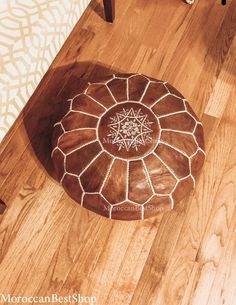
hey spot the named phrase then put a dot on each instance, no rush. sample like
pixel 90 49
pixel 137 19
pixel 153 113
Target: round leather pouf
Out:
pixel 128 147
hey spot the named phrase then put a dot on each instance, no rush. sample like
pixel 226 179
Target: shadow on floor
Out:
pixel 45 107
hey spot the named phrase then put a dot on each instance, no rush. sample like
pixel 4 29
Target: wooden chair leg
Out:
pixel 2 207
pixel 109 7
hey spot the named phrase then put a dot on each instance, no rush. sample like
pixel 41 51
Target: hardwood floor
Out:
pixel 48 244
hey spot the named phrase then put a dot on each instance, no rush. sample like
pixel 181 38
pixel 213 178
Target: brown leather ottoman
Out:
pixel 128 147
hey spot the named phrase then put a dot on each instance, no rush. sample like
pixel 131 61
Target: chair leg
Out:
pixel 2 207
pixel 109 7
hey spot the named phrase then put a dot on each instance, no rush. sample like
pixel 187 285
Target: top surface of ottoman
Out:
pixel 128 147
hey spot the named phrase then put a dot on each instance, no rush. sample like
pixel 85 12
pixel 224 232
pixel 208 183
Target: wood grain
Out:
pixel 48 244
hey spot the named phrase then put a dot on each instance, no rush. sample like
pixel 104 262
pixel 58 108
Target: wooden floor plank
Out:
pixel 215 59
pixel 214 239
pixel 223 290
pixel 224 85
pixel 176 269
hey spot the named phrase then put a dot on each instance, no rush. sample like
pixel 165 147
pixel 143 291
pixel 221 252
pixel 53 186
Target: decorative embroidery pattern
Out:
pixel 129 129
